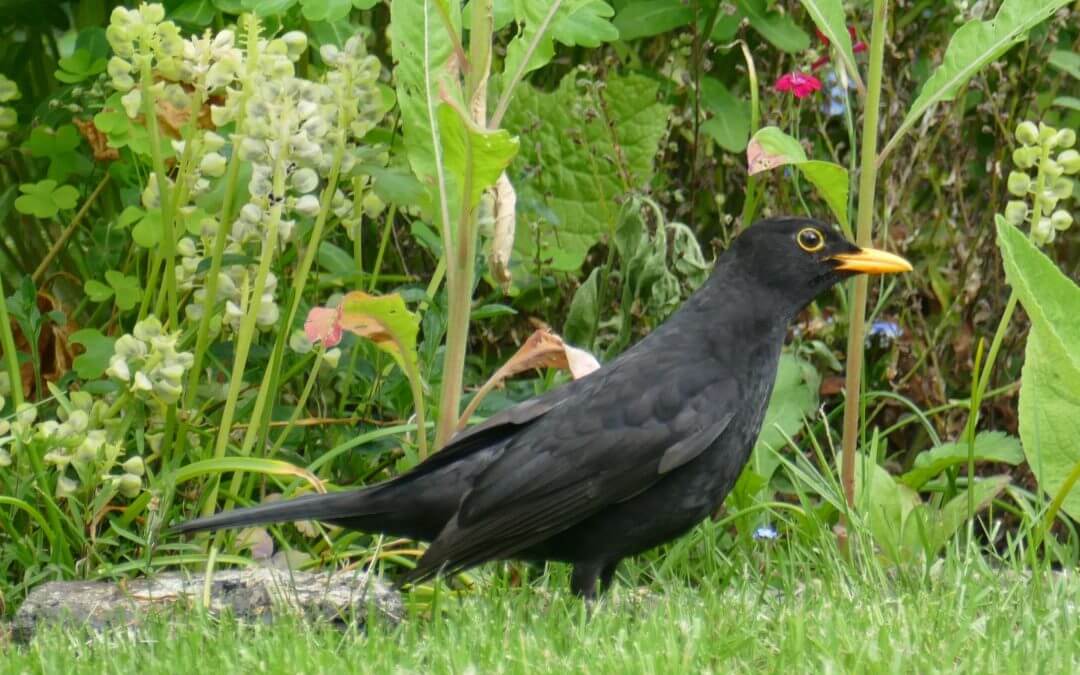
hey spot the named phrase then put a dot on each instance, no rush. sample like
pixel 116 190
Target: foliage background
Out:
pixel 630 176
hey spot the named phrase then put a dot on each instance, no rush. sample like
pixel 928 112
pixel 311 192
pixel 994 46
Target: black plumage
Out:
pixel 624 459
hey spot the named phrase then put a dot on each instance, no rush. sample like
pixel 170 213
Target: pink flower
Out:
pixel 799 84
pixel 323 324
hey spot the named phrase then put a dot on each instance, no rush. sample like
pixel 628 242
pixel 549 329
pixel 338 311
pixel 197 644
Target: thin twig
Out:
pixel 61 242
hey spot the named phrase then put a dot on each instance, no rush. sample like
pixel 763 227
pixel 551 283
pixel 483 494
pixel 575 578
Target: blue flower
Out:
pixel 887 330
pixel 766 533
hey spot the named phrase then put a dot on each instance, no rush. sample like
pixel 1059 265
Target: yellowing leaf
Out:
pixel 386 321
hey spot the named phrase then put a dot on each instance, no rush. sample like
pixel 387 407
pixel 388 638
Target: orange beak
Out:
pixel 871 261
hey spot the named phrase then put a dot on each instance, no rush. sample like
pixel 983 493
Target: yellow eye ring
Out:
pixel 810 240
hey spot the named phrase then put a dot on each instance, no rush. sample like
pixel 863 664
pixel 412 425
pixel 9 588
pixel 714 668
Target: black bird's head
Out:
pixel 799 258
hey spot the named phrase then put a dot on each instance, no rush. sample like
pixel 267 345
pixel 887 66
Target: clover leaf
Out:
pixel 45 199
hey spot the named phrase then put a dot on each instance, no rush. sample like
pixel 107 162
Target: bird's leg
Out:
pixel 591 579
pixel 607 575
pixel 583 580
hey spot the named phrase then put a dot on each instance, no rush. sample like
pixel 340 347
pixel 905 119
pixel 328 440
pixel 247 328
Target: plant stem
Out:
pixel 228 205
pixel 168 239
pixel 461 270
pixel 313 377
pixel 750 201
pixel 867 185
pixel 247 324
pixel 10 355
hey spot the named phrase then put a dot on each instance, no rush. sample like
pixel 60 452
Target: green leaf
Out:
pixel 490 151
pixel 330 32
pixel 886 503
pixel 1066 61
pixel 770 148
pixel 149 230
pixel 730 122
pixel 575 165
pixel 393 328
pixel 60 147
pixel 386 321
pixel 990 446
pixel 1070 102
pixel 335 260
pixel 779 29
pixel 127 289
pixel 423 52
pixel 976 44
pixel 97 291
pixel 325 10
pixel 955 513
pixel 97 350
pixel 575 23
pixel 584 23
pixel 80 66
pixel 396 185
pixel 1050 390
pixel 128 216
pixel 490 311
pixel 195 12
pixel 646 18
pixel 583 313
pixel 44 199
pixel 828 16
pixel 227 260
pixel 794 398
pixel 268 7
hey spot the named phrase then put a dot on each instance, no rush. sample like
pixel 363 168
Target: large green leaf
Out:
pixel 779 29
pixel 646 18
pixel 729 125
pixel 424 53
pixel 770 148
pixel 886 504
pixel 828 16
pixel 976 44
pixel 574 23
pixel 473 153
pixel 582 154
pixel 990 446
pixel 1050 390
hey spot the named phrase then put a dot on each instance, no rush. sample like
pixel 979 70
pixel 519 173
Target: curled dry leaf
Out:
pixel 502 239
pixel 97 141
pixel 543 349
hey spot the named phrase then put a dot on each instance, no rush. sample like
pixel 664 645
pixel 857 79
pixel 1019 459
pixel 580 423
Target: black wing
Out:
pixel 614 437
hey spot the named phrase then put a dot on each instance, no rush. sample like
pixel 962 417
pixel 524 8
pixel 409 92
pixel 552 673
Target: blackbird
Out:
pixel 624 459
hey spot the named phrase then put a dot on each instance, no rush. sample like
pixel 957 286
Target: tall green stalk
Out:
pixel 228 205
pixel 168 243
pixel 248 323
pixel 867 186
pixel 460 250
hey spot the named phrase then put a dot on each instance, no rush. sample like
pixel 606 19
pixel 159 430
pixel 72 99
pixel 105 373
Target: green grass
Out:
pixel 776 609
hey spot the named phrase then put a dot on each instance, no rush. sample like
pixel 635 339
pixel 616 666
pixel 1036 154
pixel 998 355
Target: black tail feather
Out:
pixel 333 506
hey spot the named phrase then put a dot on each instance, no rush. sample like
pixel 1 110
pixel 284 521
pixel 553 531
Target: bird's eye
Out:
pixel 810 240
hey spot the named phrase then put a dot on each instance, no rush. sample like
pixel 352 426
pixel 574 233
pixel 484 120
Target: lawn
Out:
pixel 781 608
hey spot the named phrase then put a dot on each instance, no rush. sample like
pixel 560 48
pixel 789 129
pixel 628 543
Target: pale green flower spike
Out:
pixel 1047 151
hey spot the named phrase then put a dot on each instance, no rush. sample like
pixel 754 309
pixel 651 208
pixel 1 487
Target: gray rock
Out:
pixel 253 594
